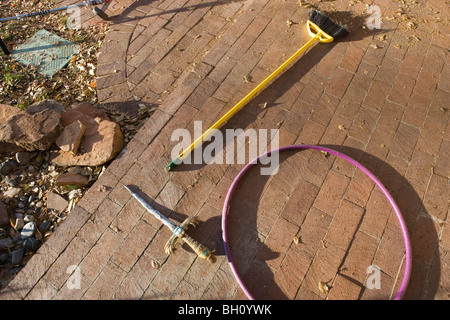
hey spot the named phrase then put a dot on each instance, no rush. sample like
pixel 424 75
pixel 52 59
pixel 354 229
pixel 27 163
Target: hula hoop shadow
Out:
pixel 375 163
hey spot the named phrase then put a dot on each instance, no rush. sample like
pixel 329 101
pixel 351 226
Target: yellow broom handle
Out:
pixel 241 103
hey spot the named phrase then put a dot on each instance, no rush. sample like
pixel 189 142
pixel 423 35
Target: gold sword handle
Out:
pixel 201 250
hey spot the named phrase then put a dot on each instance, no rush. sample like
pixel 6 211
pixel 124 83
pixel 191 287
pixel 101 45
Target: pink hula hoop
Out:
pixel 400 219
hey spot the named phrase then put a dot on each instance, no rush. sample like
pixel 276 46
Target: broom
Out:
pixel 320 28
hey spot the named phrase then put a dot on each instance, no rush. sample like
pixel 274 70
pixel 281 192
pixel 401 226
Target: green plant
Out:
pixel 11 78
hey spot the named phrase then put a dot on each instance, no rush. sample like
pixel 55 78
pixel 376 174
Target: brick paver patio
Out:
pixel 380 96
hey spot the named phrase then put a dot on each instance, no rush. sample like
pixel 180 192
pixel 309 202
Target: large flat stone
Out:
pixel 101 142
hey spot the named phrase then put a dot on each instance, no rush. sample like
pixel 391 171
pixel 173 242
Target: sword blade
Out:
pixel 172 226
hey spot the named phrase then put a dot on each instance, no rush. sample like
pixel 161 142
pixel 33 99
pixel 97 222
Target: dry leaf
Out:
pixel 155 264
pixel 296 240
pixel 262 105
pixel 323 287
pixel 341 127
pixel 325 154
pixel 382 38
pixel 410 25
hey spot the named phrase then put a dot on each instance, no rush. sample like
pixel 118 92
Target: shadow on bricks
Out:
pixel 249 114
pixel 423 282
pixel 123 18
pixel 355 25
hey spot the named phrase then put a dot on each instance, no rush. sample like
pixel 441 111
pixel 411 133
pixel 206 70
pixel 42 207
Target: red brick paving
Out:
pixel 386 107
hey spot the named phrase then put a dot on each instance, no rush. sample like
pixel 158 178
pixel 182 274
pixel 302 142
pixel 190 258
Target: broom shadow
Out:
pixel 268 96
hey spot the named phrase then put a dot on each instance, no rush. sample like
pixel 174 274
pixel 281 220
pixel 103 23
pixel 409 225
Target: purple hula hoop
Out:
pixel 233 186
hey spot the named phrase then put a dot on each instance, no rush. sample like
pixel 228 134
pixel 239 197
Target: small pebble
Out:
pixel 12 192
pixel 31 199
pixel 18 215
pixel 11 181
pixel 44 226
pixel 8 166
pixel 24 157
pixel 6 243
pixel 20 223
pixel 4 257
pixel 15 270
pixel 28 230
pixel 31 244
pixel 16 256
pixel 28 218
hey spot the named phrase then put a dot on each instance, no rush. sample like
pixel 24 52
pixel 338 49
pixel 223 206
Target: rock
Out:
pixel 71 179
pixel 28 230
pixel 71 136
pixel 6 243
pixel 24 157
pixel 17 256
pixel 45 105
pixel 56 202
pixel 4 216
pixel 4 257
pixel 18 215
pixel 8 166
pixel 102 139
pixel 28 132
pixel 44 226
pixel 29 218
pixel 11 193
pixel 6 112
pixel 20 223
pixel 31 244
pixel 15 270
pixel 11 181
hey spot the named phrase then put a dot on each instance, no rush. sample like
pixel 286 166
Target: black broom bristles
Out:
pixel 327 25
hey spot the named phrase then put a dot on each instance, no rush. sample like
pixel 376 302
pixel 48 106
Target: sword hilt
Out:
pixel 178 231
pixel 202 251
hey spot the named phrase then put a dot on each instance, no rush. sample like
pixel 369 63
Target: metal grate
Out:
pixel 46 51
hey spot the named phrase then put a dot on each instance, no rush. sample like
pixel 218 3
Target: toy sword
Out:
pixel 179 232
